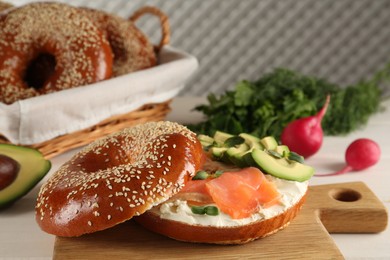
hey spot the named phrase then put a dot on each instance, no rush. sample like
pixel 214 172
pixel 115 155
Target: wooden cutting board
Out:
pixel 335 208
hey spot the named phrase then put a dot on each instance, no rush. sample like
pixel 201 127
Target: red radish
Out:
pixel 361 154
pixel 304 136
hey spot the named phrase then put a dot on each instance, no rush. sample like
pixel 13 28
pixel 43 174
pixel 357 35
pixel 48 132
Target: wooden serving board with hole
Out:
pixel 335 208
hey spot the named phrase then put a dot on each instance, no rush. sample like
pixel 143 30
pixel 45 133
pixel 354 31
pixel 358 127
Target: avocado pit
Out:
pixel 9 169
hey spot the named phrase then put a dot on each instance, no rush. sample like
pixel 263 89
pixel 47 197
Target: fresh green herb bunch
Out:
pixel 266 106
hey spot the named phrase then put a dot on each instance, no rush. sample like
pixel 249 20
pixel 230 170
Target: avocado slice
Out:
pixel 235 154
pixel 221 137
pixel 283 150
pixel 240 155
pixel 269 142
pixel 218 152
pixel 282 168
pixel 218 149
pixel 254 143
pixel 206 140
pixel 33 167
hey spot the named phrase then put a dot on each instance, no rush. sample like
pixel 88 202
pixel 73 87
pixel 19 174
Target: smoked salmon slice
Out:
pixel 195 193
pixel 238 194
pixel 198 186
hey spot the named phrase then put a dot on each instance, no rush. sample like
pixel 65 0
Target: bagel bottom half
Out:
pixel 200 233
pixel 218 235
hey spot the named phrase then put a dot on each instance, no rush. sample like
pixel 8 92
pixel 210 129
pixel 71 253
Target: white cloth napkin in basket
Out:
pixel 45 117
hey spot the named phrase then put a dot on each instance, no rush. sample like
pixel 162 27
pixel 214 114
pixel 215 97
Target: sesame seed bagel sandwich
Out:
pixel 248 188
pixel 204 190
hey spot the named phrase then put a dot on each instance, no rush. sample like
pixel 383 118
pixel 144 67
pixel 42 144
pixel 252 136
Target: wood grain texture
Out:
pixel 345 207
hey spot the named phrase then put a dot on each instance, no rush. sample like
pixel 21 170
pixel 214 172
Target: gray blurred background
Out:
pixel 343 41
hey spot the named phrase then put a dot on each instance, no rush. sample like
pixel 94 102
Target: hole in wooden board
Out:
pixel 345 195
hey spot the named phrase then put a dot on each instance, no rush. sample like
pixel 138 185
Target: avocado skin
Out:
pixel 33 167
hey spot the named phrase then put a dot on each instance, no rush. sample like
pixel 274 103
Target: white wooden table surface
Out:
pixel 21 238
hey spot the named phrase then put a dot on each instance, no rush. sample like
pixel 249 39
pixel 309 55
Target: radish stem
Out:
pixel 346 169
pixel 322 112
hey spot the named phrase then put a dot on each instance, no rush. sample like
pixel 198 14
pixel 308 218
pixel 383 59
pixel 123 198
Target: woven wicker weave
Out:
pixel 146 113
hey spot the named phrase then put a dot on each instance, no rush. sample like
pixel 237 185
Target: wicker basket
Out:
pixel 61 144
pixel 146 113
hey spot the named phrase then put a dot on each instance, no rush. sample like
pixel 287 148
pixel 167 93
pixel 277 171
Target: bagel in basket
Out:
pixel 40 57
pixel 159 175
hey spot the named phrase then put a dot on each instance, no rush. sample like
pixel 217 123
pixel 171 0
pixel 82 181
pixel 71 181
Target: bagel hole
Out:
pixel 39 70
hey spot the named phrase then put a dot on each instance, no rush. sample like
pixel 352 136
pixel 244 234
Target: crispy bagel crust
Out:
pixel 219 235
pixel 118 177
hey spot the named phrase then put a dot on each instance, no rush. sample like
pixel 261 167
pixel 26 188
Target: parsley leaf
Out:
pixel 264 107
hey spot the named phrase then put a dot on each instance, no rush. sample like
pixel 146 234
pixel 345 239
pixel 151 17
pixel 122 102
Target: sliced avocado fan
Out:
pixel 265 153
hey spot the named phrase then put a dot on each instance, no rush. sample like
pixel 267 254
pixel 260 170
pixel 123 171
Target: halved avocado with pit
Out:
pixel 21 168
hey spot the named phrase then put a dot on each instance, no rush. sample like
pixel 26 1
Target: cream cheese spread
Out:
pixel 178 210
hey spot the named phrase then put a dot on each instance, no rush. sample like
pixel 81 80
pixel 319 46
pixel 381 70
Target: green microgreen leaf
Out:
pixel 200 210
pixel 296 157
pixel 212 211
pixel 201 175
pixel 274 154
pixel 205 210
pixel 218 173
